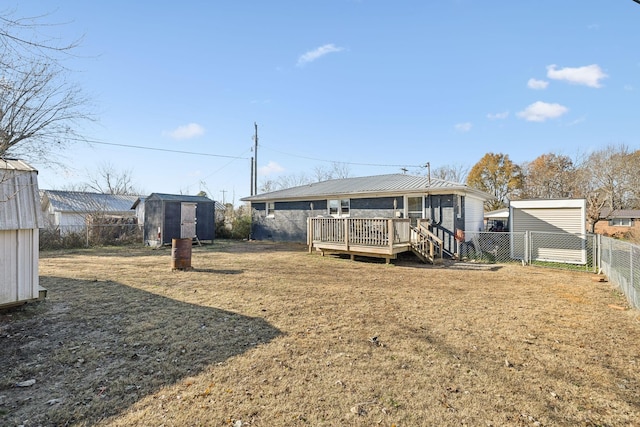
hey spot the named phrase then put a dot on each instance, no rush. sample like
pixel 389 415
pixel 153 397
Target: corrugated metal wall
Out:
pixel 18 266
pixel 20 218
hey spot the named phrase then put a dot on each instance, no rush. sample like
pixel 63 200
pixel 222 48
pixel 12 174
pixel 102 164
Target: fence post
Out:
pixel 598 254
pixel 527 239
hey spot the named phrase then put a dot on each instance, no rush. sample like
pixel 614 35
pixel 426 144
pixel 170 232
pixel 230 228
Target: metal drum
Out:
pixel 181 254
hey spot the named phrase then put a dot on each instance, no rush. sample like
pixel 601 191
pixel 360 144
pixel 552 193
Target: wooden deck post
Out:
pixel 346 234
pixel 390 235
pixel 310 233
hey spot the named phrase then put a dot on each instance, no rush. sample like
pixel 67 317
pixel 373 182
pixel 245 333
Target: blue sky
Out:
pixel 375 84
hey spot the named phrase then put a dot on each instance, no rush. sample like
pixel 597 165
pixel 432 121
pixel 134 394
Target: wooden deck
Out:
pixel 371 237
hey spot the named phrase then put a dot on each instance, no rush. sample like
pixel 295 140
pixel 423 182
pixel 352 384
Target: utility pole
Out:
pixel 255 161
pixel 223 191
pixel 428 165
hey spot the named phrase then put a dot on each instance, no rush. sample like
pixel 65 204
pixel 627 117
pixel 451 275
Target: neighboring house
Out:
pixel 71 211
pixel 176 216
pixel 20 219
pixel 497 220
pixel 618 223
pixel 449 207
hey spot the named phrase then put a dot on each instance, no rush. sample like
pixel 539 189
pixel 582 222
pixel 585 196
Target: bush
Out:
pixel 51 238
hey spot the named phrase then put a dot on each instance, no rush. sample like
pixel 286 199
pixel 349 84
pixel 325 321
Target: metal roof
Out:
pixel 368 185
pixel 498 213
pixel 19 201
pixel 80 201
pixel 180 198
pixel 16 164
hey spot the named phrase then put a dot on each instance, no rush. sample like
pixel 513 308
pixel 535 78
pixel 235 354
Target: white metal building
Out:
pixel 556 228
pixel 20 220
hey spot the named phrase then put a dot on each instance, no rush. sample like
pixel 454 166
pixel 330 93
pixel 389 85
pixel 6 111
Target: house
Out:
pixel 448 207
pixel 177 216
pixel 72 211
pixel 618 223
pixel 20 220
pixel 497 220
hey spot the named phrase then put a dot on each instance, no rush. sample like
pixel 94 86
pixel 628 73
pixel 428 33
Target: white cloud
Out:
pixel 186 132
pixel 312 55
pixel 498 116
pixel 628 88
pixel 463 127
pixel 589 75
pixel 270 168
pixel 537 84
pixel 542 111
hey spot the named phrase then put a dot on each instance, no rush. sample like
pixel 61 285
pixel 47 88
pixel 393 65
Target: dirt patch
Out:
pixel 263 334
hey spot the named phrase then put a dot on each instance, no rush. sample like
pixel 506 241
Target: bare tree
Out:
pixel 453 173
pixel 40 108
pixel 609 179
pixel 337 170
pixel 107 179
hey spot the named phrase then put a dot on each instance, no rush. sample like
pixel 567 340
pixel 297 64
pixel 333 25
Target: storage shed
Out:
pixel 556 229
pixel 20 220
pixel 176 216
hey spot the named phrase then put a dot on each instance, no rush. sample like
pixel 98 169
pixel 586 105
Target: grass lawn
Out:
pixel 265 334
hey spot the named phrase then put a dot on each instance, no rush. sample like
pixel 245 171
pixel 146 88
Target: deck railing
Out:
pixel 359 231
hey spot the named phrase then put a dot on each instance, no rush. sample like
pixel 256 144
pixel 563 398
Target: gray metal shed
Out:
pixel 20 220
pixel 177 216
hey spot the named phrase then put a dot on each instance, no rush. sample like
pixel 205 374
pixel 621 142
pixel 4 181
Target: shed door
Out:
pixel 187 220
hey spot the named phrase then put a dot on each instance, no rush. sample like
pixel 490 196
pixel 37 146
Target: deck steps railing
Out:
pixel 426 245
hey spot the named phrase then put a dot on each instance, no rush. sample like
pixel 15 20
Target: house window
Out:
pixel 621 222
pixel 459 206
pixel 339 207
pixel 271 208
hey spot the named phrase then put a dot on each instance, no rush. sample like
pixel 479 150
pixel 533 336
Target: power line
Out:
pixel 339 161
pixel 166 150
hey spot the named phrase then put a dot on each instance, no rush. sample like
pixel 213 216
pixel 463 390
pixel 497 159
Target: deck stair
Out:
pixel 426 245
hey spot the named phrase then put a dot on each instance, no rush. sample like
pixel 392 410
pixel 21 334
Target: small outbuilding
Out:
pixel 20 220
pixel 556 229
pixel 73 211
pixel 177 216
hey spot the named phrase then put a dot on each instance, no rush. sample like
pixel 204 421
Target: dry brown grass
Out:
pixel 267 335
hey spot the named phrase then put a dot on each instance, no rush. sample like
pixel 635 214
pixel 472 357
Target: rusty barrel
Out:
pixel 181 254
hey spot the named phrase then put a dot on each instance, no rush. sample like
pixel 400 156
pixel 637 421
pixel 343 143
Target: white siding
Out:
pixel 556 229
pixel 20 218
pixel 562 220
pixel 473 214
pixel 18 265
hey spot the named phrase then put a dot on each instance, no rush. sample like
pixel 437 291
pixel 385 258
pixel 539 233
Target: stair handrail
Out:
pixel 426 236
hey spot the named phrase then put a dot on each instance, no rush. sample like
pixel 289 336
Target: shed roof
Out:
pixel 179 198
pixel 19 202
pixel 80 201
pixel 391 184
pixel 498 213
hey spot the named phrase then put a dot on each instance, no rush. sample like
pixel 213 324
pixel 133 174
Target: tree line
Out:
pixel 607 179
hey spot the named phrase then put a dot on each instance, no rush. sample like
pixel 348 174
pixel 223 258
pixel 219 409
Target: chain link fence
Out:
pixel 620 262
pixel 559 250
pixel 95 234
pixel 617 259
